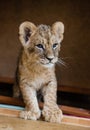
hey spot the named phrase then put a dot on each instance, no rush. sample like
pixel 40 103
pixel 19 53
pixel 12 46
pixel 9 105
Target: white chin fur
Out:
pixel 50 65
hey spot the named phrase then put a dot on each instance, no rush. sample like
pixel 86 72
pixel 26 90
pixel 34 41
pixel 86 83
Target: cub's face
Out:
pixel 42 43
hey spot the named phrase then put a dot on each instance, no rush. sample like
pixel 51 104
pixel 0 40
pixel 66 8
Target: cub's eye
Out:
pixel 55 45
pixel 40 46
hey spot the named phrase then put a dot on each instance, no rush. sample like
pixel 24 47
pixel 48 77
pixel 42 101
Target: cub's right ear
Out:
pixel 26 29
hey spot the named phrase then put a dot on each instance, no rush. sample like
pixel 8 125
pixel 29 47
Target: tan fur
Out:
pixel 36 69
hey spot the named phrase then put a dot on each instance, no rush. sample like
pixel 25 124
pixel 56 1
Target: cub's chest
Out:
pixel 37 77
pixel 39 80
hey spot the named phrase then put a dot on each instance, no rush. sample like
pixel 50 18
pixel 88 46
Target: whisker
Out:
pixel 61 62
pixel 64 58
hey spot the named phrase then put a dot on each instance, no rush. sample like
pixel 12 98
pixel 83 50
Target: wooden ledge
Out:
pixel 68 123
pixel 66 119
pixel 66 109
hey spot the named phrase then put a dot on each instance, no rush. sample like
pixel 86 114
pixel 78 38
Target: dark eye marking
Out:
pixel 40 46
pixel 55 45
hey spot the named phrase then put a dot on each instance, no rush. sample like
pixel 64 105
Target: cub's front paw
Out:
pixel 52 114
pixel 31 115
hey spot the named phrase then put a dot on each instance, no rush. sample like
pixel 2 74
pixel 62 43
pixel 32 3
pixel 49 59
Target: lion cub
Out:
pixel 36 69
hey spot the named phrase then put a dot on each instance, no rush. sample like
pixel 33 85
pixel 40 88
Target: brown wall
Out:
pixel 75 51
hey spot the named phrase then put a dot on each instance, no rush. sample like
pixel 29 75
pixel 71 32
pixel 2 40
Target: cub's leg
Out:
pixel 16 91
pixel 32 110
pixel 51 111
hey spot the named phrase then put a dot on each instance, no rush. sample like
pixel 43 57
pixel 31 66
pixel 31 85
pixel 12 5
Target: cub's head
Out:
pixel 41 43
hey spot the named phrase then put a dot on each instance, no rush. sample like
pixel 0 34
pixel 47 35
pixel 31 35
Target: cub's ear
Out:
pixel 26 29
pixel 58 30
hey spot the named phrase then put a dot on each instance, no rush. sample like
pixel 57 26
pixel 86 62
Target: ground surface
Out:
pixel 8 123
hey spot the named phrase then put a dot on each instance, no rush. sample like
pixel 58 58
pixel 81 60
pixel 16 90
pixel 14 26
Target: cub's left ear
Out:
pixel 58 30
pixel 26 30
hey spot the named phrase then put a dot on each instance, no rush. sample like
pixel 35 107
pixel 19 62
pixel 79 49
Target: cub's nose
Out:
pixel 50 58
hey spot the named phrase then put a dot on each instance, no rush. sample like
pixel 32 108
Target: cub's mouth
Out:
pixel 48 63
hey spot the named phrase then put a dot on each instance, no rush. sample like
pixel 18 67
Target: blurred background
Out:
pixel 75 49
